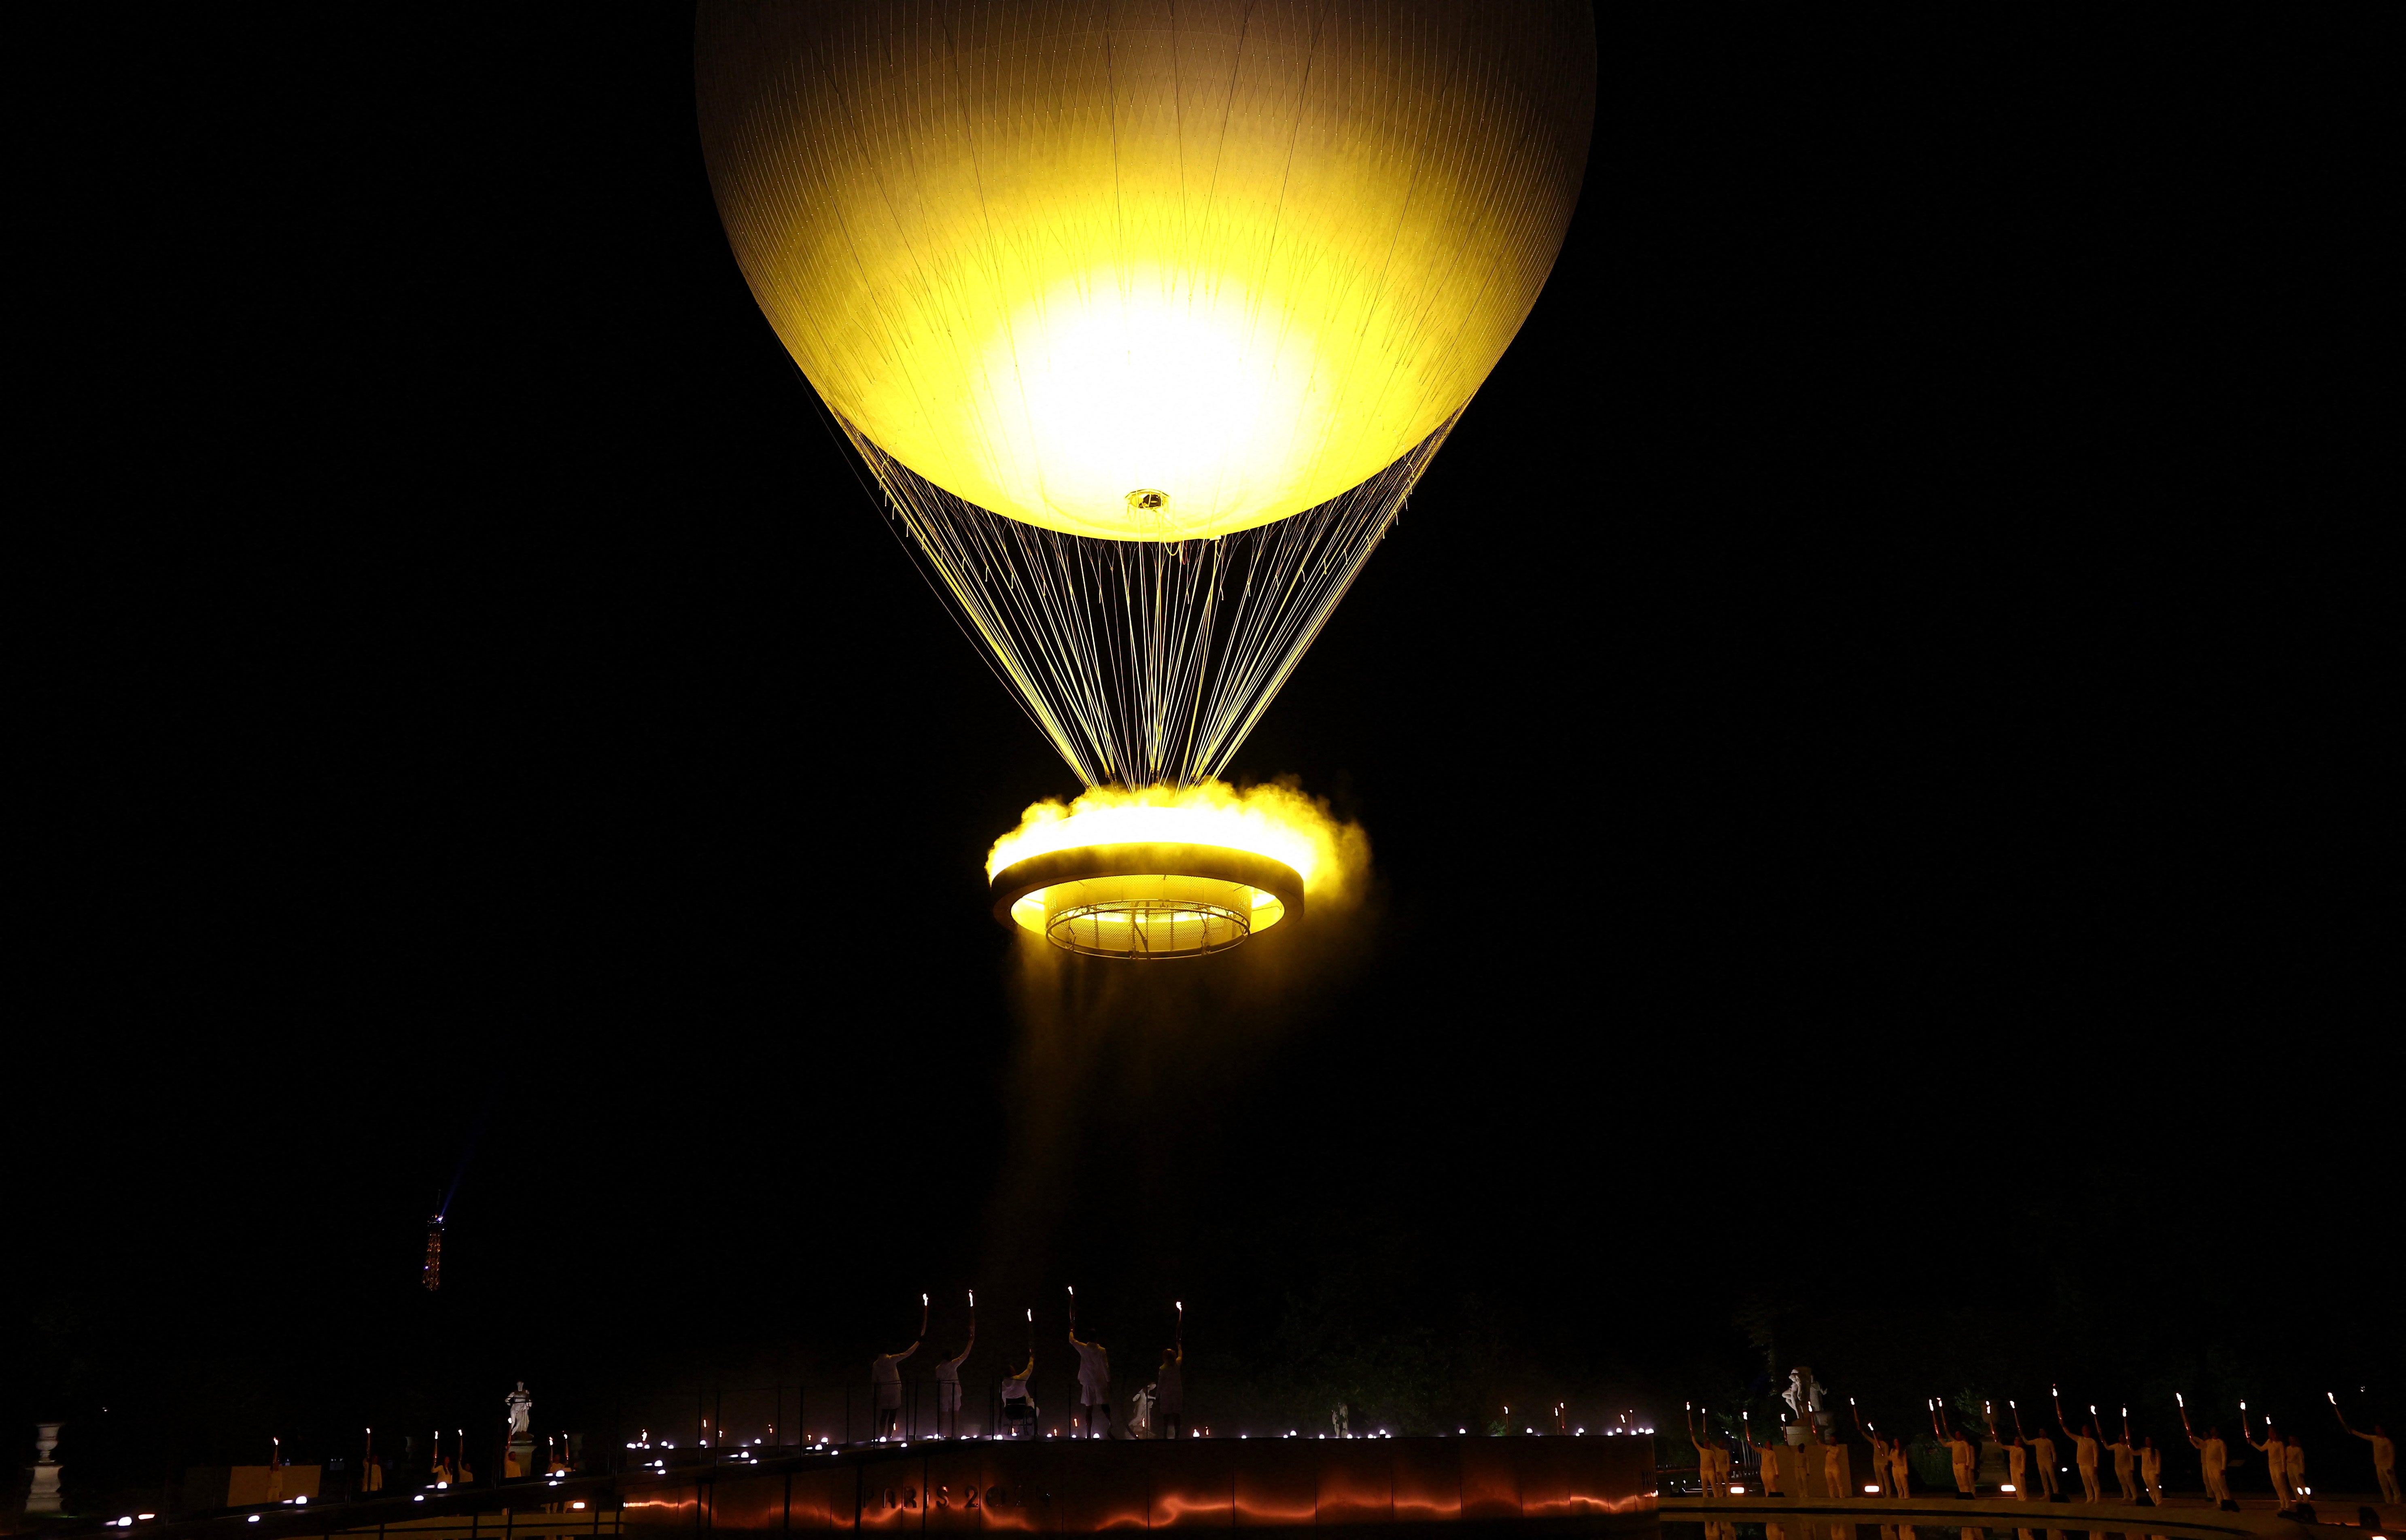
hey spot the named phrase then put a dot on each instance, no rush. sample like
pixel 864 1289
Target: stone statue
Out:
pixel 521 1408
pixel 1804 1397
pixel 44 1496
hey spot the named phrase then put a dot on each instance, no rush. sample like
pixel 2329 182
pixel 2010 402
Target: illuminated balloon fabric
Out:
pixel 1147 271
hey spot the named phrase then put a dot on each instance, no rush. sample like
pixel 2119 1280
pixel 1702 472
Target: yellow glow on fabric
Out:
pixel 1240 253
pixel 1274 820
pixel 1147 388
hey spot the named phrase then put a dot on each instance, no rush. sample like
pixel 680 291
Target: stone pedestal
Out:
pixel 521 1460
pixel 1803 1473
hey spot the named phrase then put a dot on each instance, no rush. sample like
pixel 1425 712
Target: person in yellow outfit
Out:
pixel 2384 1453
pixel 2151 1469
pixel 2084 1458
pixel 2275 1458
pixel 2297 1469
pixel 1834 1469
pixel 2125 1457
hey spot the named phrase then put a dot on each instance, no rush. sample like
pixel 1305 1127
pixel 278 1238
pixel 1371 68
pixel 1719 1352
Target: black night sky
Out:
pixel 1870 757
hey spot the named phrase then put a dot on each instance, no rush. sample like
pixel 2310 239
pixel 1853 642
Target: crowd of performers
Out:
pixel 1160 1407
pixel 2031 1460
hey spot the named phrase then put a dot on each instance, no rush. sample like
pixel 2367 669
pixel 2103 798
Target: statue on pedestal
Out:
pixel 44 1496
pixel 517 1458
pixel 1804 1397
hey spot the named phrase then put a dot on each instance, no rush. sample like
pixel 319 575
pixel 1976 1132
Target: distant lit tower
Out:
pixel 434 1253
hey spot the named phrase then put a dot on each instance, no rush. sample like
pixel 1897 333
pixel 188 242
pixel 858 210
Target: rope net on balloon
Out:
pixel 1144 662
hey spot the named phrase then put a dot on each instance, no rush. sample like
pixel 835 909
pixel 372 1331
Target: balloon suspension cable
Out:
pixel 1143 662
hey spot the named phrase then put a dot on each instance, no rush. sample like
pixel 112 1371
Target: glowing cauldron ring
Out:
pixel 1212 863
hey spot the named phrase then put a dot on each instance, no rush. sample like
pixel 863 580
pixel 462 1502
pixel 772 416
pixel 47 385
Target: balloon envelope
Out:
pixel 1146 269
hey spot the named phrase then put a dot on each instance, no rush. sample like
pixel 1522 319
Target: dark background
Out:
pixel 1867 731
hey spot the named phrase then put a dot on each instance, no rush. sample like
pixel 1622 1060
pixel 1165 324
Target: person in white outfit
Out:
pixel 886 1389
pixel 1169 1394
pixel 2276 1462
pixel 1019 1412
pixel 1093 1384
pixel 948 1386
pixel 2385 1454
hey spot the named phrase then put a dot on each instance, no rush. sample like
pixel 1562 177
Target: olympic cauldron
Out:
pixel 1456 1486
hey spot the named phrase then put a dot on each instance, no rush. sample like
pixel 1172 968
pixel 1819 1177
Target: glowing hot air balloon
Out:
pixel 1146 315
